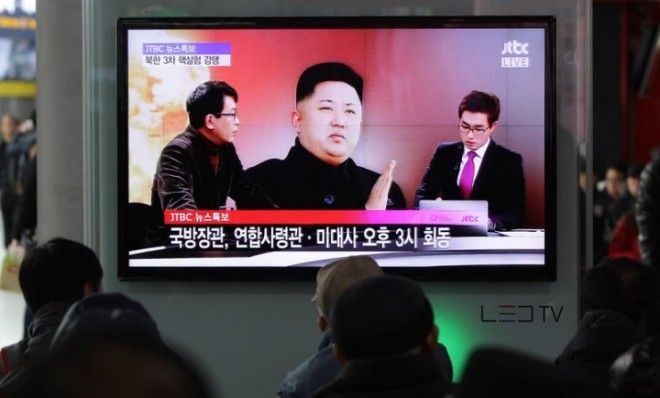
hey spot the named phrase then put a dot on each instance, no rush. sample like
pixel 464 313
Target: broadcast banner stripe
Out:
pixel 324 217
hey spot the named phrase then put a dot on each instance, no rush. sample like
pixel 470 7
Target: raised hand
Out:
pixel 378 197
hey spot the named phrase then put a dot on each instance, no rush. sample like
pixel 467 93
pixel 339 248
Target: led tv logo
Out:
pixel 514 54
pixel 525 313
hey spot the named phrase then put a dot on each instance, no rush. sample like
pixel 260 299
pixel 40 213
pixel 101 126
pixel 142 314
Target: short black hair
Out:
pixel 381 316
pixel 327 72
pixel 104 316
pixel 618 167
pixel 634 171
pixel 480 102
pixel 621 284
pixel 208 98
pixel 57 271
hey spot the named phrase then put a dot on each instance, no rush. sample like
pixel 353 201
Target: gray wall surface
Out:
pixel 59 106
pixel 246 335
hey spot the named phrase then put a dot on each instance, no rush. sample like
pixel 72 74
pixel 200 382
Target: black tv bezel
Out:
pixel 548 272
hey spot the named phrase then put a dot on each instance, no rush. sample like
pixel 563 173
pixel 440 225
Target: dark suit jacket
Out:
pixel 302 181
pixel 500 181
pixel 185 179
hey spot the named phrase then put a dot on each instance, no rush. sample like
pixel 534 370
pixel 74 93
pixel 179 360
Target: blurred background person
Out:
pixel 106 315
pixel 17 152
pixel 9 155
pixel 385 340
pixel 331 281
pixel 636 373
pixel 108 345
pixel 52 277
pixel 625 240
pixel 499 373
pixel 613 198
pixel 648 214
pixel 617 296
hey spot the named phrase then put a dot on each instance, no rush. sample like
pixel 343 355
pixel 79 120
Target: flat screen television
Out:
pixel 263 148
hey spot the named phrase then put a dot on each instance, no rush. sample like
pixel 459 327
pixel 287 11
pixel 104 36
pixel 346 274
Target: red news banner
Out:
pixel 322 217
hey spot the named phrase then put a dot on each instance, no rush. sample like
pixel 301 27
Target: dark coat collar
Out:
pixel 204 142
pixel 310 164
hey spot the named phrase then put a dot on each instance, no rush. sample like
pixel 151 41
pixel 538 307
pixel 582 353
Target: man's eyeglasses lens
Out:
pixel 466 130
pixel 232 115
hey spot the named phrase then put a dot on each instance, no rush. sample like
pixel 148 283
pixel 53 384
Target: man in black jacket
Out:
pixel 318 172
pixel 331 280
pixel 616 296
pixel 385 338
pixel 476 168
pixel 199 168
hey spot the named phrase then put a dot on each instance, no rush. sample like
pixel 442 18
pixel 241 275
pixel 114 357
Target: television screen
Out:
pixel 262 148
pixel 18 51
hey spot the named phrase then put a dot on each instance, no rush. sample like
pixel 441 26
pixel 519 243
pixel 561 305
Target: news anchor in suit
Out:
pixel 476 168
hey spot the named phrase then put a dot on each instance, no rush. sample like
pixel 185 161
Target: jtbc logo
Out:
pixel 469 218
pixel 515 47
pixel 189 217
pixel 521 313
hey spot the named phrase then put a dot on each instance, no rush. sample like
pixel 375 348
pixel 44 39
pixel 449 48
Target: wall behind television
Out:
pixel 246 335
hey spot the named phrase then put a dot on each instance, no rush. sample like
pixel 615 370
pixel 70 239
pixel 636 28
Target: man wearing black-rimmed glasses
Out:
pixel 476 168
pixel 199 168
